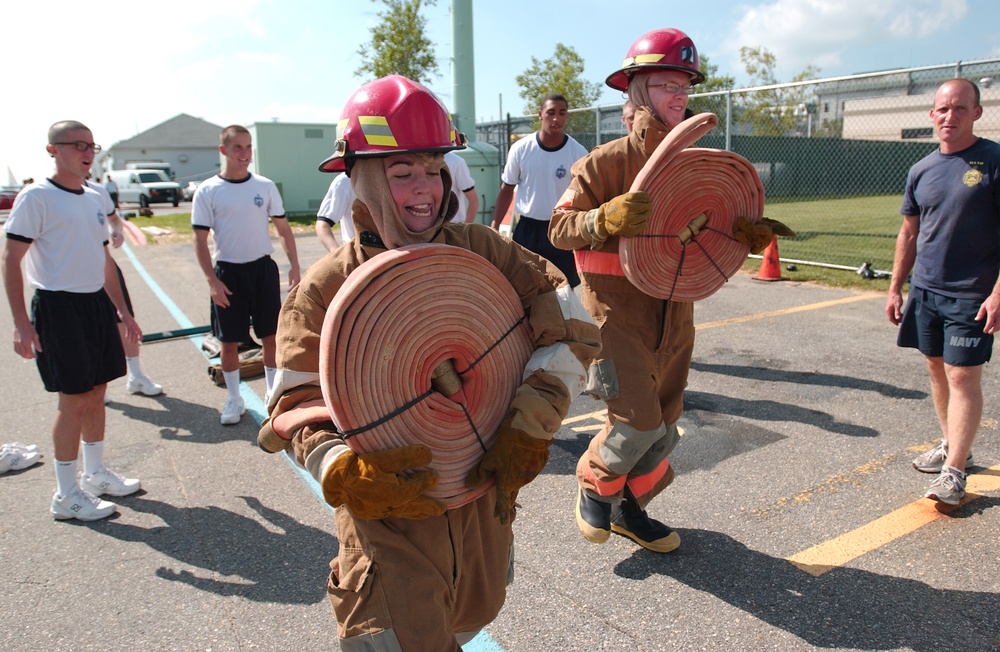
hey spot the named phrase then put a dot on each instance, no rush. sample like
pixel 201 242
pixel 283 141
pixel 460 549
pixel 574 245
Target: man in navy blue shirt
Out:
pixel 950 240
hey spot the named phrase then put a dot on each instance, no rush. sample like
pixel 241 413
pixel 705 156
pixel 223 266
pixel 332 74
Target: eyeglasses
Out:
pixel 673 88
pixel 82 145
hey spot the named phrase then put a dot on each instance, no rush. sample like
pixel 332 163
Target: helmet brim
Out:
pixel 620 79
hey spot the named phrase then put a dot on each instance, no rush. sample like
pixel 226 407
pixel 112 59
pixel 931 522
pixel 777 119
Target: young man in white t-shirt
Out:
pixel 59 228
pixel 539 167
pixel 336 209
pixel 243 280
pixel 463 186
pixel 138 382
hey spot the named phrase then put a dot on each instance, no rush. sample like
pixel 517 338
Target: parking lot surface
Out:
pixel 801 519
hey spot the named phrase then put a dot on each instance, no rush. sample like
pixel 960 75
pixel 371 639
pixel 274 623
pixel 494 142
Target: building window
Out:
pixel 921 132
pixel 314 133
pixel 826 107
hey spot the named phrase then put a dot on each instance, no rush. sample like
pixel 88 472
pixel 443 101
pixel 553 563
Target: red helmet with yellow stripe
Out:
pixel 392 115
pixel 666 48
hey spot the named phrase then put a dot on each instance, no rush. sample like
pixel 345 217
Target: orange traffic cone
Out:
pixel 770 266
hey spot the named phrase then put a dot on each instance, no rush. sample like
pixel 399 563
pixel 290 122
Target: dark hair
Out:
pixel 554 97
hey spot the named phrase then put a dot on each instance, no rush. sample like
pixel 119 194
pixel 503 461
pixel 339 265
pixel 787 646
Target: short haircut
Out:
pixel 554 97
pixel 975 89
pixel 58 130
pixel 230 131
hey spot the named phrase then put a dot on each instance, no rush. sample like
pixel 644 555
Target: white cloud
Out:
pixel 822 32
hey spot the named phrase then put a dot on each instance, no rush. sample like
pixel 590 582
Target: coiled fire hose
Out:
pixel 687 251
pixel 425 344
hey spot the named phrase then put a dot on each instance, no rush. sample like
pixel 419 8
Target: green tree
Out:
pixel 562 73
pixel 774 112
pixel 398 44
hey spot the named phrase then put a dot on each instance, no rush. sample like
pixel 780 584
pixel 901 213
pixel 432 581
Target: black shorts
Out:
pixel 121 284
pixel 940 326
pixel 533 235
pixel 256 295
pixel 81 347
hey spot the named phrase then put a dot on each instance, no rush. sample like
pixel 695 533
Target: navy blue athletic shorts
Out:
pixel 940 326
pixel 533 235
pixel 256 295
pixel 81 347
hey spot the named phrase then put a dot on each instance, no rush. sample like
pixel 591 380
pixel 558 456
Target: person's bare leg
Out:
pixel 965 410
pixel 68 424
pixel 940 391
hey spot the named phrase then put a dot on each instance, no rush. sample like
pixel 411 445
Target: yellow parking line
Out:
pixel 851 545
pixel 787 311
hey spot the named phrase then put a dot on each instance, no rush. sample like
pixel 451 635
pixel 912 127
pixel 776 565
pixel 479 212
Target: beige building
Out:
pixel 906 117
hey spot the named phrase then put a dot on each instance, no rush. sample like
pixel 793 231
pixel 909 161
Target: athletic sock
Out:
pixel 93 456
pixel 232 379
pixel 134 367
pixel 65 477
pixel 269 373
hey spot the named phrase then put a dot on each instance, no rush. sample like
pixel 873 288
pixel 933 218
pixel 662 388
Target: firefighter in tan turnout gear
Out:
pixel 411 574
pixel 647 342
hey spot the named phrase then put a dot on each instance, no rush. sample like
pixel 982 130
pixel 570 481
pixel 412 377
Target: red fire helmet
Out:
pixel 666 48
pixel 392 115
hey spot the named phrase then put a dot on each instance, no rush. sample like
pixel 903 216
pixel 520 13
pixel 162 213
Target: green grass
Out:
pixel 840 231
pixel 179 224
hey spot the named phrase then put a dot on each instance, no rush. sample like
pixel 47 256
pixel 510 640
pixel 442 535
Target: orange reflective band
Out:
pixel 604 487
pixel 598 262
pixel 643 484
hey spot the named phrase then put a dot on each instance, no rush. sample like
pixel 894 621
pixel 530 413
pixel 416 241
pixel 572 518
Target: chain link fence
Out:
pixel 832 154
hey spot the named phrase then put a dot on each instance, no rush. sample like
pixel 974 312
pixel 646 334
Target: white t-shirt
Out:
pixel 109 204
pixel 336 206
pixel 461 182
pixel 540 174
pixel 237 212
pixel 111 186
pixel 67 230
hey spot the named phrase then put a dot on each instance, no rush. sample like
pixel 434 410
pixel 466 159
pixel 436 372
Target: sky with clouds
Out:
pixel 122 67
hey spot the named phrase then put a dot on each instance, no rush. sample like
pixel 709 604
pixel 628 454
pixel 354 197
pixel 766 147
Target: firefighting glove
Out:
pixel 625 215
pixel 758 236
pixel 515 459
pixel 372 486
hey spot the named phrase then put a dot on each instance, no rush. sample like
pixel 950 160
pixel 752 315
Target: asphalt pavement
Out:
pixel 801 519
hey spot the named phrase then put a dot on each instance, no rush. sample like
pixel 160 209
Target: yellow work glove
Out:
pixel 515 459
pixel 625 215
pixel 778 228
pixel 372 486
pixel 758 236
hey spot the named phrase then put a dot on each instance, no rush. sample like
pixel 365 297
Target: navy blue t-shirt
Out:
pixel 957 197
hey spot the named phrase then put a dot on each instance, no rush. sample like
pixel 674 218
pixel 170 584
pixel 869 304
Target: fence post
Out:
pixel 729 119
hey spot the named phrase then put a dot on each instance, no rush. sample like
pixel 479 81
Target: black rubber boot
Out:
pixel 593 517
pixel 630 520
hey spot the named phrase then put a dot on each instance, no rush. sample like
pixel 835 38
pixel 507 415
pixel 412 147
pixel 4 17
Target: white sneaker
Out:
pixel 30 448
pixel 232 411
pixel 15 458
pixel 143 385
pixel 106 481
pixel 81 505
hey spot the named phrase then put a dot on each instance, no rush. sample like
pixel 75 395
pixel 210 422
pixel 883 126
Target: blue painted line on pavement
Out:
pixel 256 408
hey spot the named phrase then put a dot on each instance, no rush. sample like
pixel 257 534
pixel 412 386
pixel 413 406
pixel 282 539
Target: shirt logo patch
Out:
pixel 258 201
pixel 560 172
pixel 972 178
pixel 100 218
